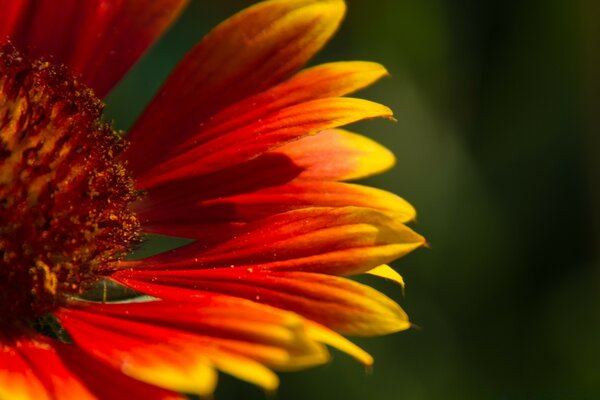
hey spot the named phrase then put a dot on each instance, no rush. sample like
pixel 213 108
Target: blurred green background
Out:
pixel 498 146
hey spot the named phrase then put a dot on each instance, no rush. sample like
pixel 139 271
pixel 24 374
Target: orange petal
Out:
pixel 259 136
pixel 338 303
pixel 98 39
pixel 334 79
pixel 337 155
pixel 233 335
pixel 104 381
pixel 337 241
pixel 142 352
pixel 333 154
pixel 323 81
pixel 39 368
pixel 17 379
pixel 251 206
pixel 299 194
pixel 244 55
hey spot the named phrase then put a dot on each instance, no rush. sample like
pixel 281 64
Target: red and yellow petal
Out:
pixel 323 81
pixel 337 155
pixel 95 375
pixel 337 303
pixel 214 332
pixel 334 79
pixel 97 39
pixel 335 241
pixel 329 155
pixel 255 205
pixel 250 141
pixel 143 352
pixel 17 379
pixel 37 368
pixel 244 55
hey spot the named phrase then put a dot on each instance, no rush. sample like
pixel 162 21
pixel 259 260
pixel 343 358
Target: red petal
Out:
pixel 148 340
pixel 323 81
pixel 106 382
pixel 99 39
pixel 338 303
pixel 247 207
pixel 38 368
pixel 248 141
pixel 11 14
pixel 247 53
pixel 337 155
pixel 177 206
pixel 337 241
pixel 17 378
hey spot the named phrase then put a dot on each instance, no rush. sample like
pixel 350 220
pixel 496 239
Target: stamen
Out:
pixel 64 194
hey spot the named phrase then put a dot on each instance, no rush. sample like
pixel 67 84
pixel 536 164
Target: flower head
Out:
pixel 238 151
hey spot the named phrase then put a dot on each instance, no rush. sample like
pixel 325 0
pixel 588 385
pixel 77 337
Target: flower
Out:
pixel 238 152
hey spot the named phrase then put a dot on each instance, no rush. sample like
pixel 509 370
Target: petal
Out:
pixel 386 272
pixel 98 39
pixel 233 335
pixel 248 141
pixel 262 203
pixel 17 379
pixel 333 339
pixel 334 79
pixel 337 303
pixel 104 381
pixel 337 241
pixel 39 368
pixel 337 155
pixel 244 55
pixel 12 10
pixel 323 81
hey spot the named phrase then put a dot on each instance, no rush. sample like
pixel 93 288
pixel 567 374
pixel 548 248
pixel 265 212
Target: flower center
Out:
pixel 64 195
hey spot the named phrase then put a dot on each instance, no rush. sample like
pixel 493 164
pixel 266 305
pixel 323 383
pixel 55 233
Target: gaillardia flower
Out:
pixel 240 152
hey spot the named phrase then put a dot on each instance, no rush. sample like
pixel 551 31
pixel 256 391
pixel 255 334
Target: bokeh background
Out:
pixel 498 146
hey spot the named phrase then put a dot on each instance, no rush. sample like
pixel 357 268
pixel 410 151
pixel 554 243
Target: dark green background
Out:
pixel 498 148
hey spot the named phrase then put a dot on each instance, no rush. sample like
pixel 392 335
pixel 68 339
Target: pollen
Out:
pixel 64 193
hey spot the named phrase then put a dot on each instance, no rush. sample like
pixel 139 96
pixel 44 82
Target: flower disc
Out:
pixel 64 195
